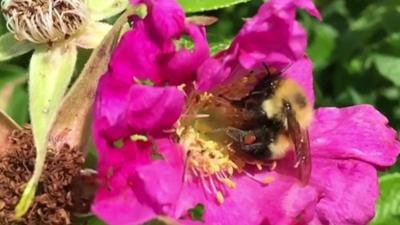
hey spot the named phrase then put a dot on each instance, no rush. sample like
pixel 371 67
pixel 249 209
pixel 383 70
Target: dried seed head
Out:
pixel 44 21
pixel 53 202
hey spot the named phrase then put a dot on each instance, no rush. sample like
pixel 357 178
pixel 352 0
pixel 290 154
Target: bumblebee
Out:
pixel 271 120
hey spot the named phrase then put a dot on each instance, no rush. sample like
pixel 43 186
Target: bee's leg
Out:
pixel 253 148
pixel 258 149
pixel 235 133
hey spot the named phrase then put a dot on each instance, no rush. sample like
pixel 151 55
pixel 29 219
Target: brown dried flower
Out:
pixel 53 198
pixel 44 21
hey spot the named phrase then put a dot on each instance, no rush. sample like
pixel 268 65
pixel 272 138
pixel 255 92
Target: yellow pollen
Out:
pixel 268 180
pixel 206 156
pixel 209 156
pixel 220 197
pixel 259 166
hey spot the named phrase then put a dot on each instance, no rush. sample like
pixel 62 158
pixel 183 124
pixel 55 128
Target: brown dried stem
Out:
pixel 74 113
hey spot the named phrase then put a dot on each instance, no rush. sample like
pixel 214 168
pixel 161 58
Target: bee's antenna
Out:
pixel 266 68
pixel 268 71
pixel 287 67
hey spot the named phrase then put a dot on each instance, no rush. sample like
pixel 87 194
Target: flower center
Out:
pixel 209 156
pixel 44 21
pixel 203 131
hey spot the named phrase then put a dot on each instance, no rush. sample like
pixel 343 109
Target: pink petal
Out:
pixel 153 109
pixel 349 189
pixel 251 202
pixel 307 5
pixel 272 37
pixel 120 207
pixel 357 132
pixel 137 110
pixel 181 66
pixel 148 51
pixel 166 18
pixel 116 201
pixel 136 56
pixel 138 187
pixel 160 181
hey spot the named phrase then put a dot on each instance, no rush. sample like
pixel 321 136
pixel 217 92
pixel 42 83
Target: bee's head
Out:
pixel 287 93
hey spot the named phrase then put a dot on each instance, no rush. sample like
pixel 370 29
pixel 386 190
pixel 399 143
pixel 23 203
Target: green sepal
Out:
pixel 102 9
pixel 10 47
pixel 192 6
pixel 50 73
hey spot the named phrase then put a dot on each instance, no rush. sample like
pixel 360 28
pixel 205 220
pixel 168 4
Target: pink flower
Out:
pixel 158 176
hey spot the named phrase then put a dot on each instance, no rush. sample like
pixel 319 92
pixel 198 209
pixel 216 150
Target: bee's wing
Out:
pixel 299 137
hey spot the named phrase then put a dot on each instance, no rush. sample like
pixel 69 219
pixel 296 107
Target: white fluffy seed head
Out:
pixel 44 21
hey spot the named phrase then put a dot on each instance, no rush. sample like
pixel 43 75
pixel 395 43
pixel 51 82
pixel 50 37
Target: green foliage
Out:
pixel 13 93
pixel 18 109
pixel 388 67
pixel 10 47
pixel 356 53
pixel 91 220
pixel 192 6
pixel 95 221
pixel 388 206
pixel 197 212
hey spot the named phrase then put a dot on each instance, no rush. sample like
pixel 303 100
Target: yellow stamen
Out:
pixel 273 165
pixel 228 182
pixel 138 137
pixel 220 197
pixel 268 180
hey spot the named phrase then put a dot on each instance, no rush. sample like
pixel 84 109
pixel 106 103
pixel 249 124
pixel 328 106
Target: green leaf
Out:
pixel 216 47
pixel 3 28
pixel 18 105
pixel 388 206
pixel 90 220
pixel 192 6
pixel 161 220
pixel 9 73
pixel 12 94
pixel 391 20
pixel 322 46
pixel 388 67
pixel 95 221
pixel 102 9
pixel 10 47
pixel 197 212
pixel 50 73
pixel 155 222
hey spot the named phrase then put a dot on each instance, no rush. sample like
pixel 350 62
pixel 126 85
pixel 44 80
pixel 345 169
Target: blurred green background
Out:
pixel 356 55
